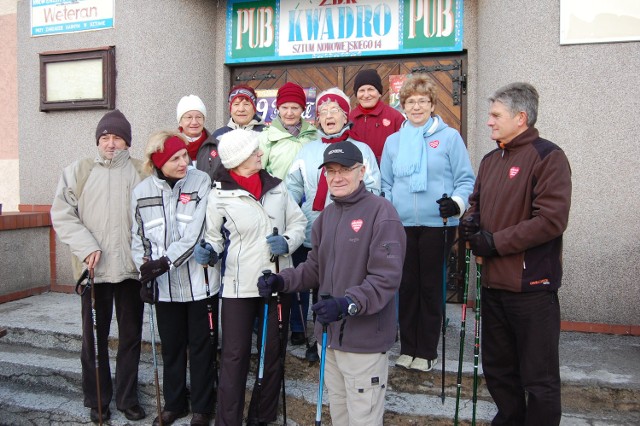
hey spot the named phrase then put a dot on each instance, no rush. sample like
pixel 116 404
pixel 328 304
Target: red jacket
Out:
pixel 374 127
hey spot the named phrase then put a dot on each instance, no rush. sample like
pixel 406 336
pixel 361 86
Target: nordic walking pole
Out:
pixel 467 262
pixel 476 344
pixel 444 297
pixel 212 325
pixel 153 350
pixel 323 352
pixel 263 342
pixel 95 344
pixel 276 260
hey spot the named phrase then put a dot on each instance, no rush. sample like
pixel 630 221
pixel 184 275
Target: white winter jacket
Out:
pixel 170 222
pixel 249 221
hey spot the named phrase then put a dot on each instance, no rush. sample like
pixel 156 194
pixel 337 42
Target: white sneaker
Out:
pixel 422 364
pixel 404 361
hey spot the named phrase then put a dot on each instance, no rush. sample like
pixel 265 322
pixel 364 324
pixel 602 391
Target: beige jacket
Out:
pixel 99 217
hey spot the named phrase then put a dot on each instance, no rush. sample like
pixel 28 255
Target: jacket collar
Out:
pixel 524 138
pixel 352 198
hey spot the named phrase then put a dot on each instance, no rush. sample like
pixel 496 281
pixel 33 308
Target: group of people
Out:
pixel 243 224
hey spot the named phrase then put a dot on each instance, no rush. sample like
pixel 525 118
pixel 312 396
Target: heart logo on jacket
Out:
pixel 513 172
pixel 356 224
pixel 386 122
pixel 434 144
pixel 213 153
pixel 185 198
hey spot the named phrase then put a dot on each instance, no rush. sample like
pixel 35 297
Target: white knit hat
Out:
pixel 190 103
pixel 236 146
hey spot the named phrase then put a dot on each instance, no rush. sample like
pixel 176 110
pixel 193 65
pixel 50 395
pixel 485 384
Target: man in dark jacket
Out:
pixel 518 211
pixel 358 248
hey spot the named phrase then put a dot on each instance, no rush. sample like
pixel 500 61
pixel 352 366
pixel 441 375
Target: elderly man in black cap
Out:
pixel 358 248
pixel 91 213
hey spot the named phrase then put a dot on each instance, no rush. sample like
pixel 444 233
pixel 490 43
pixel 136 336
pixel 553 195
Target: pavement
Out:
pixel 592 365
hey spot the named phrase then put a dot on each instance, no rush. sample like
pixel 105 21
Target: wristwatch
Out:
pixel 352 309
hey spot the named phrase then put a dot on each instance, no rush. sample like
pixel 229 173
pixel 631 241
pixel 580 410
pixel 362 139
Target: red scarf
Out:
pixel 193 147
pixel 323 187
pixel 253 184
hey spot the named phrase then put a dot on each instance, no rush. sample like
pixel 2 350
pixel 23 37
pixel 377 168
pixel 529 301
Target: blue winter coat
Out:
pixel 448 172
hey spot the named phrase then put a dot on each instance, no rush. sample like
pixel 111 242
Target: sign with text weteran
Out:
pixel 272 30
pixel 49 17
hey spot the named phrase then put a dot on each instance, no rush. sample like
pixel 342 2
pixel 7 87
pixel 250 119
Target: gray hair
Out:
pixel 519 97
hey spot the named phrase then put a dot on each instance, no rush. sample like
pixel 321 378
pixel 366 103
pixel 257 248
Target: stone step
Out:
pixel 40 355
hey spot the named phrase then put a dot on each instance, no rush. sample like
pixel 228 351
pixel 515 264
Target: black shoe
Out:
pixel 311 354
pixel 95 416
pixel 201 419
pixel 254 422
pixel 134 413
pixel 168 417
pixel 297 338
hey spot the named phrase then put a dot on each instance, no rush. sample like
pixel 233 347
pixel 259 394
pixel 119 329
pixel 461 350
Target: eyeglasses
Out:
pixel 331 111
pixel 421 102
pixel 189 118
pixel 342 171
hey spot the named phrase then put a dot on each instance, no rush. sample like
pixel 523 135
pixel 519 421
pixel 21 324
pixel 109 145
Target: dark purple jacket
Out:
pixel 358 248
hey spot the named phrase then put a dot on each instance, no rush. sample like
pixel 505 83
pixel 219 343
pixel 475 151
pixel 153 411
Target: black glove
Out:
pixel 448 207
pixel 271 284
pixel 149 292
pixel 331 309
pixel 153 269
pixel 468 226
pixel 482 244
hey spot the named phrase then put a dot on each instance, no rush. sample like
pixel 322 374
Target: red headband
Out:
pixel 171 146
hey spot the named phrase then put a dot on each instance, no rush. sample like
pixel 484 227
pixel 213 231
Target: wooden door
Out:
pixel 447 72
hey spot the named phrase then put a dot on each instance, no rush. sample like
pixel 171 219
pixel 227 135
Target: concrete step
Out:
pixel 39 358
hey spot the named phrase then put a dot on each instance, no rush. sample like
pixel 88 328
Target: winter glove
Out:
pixel 149 292
pixel 482 244
pixel 153 269
pixel 448 207
pixel 272 283
pixel 204 254
pixel 468 226
pixel 331 309
pixel 278 245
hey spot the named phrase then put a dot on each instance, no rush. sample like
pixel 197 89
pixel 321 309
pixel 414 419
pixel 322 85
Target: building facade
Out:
pixel 589 104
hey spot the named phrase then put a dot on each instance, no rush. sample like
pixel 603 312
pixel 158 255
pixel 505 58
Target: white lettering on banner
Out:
pixel 258 25
pixel 53 14
pixel 436 16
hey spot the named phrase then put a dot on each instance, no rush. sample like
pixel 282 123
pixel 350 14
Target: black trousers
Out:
pixel 237 321
pixel 420 301
pixel 129 310
pixel 520 359
pixel 184 332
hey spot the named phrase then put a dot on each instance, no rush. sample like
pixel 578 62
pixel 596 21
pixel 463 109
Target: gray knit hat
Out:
pixel 114 123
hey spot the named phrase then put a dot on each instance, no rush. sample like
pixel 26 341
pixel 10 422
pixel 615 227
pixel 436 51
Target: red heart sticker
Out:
pixel 356 224
pixel 386 122
pixel 434 144
pixel 513 172
pixel 185 198
pixel 213 153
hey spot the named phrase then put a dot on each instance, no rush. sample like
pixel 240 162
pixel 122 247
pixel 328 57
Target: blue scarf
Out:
pixel 412 154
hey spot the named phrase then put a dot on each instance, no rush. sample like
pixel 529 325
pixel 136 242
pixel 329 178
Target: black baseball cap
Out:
pixel 344 153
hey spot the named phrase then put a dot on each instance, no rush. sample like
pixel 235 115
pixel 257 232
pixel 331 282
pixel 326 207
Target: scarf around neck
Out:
pixel 323 187
pixel 412 154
